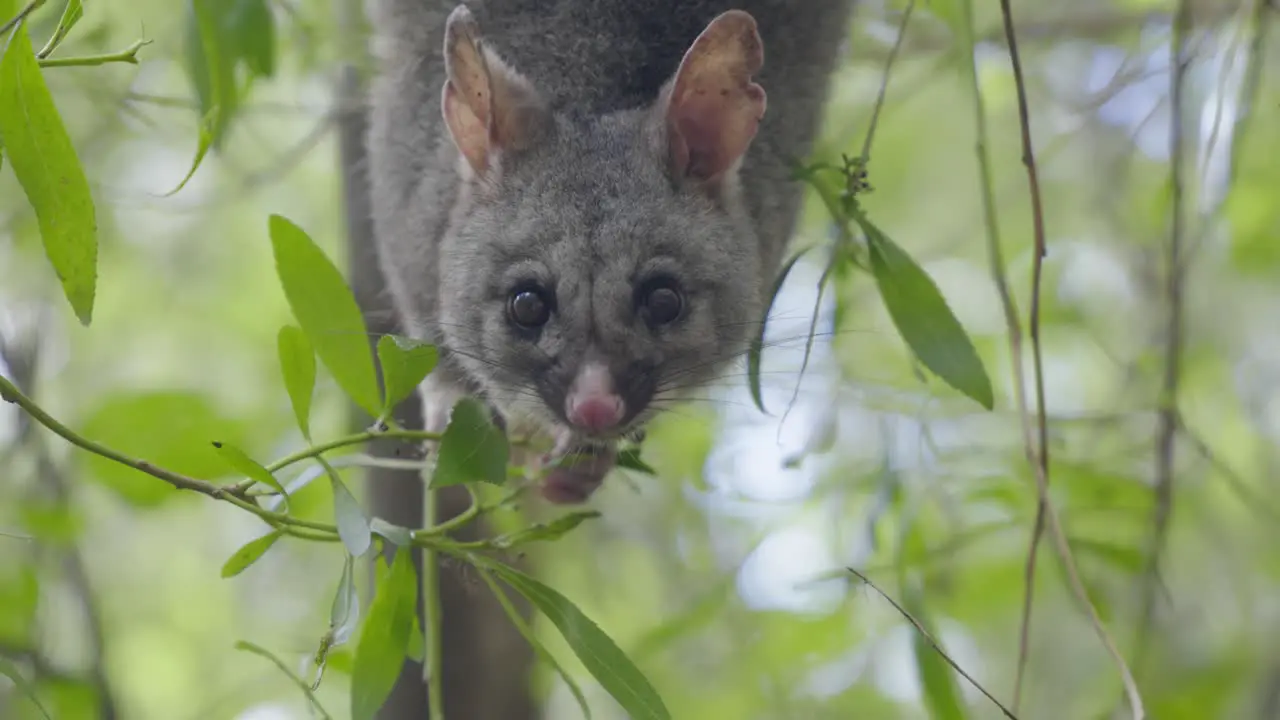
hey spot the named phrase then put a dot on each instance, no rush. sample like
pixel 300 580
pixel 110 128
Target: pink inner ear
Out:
pixel 470 133
pixel 715 108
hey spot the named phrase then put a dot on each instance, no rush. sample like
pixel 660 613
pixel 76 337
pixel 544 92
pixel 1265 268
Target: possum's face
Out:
pixel 584 290
pixel 595 268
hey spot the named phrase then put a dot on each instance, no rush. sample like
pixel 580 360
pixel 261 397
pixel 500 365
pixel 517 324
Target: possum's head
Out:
pixel 597 267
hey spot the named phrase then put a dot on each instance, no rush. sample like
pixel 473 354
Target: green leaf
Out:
pixel 344 614
pixel 532 638
pixel 302 685
pixel 397 534
pixel 941 694
pixel 255 30
pixel 71 15
pixel 599 654
pixel 45 163
pixel 170 429
pixel 10 670
pixel 298 366
pixel 235 459
pixel 472 449
pixel 384 640
pixel 20 598
pixel 630 459
pixel 249 554
pixel 757 343
pixel 924 319
pixel 417 648
pixel 326 309
pixel 204 141
pixel 353 524
pixel 405 364
pixel 545 531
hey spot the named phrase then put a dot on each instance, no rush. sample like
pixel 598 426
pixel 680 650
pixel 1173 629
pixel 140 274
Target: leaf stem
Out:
pixel 22 15
pixel 128 55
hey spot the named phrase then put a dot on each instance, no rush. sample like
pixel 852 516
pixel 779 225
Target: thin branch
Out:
pixel 884 81
pixel 933 643
pixel 1038 461
pixel 1167 417
pixel 10 393
pixel 1041 458
pixel 22 15
pixel 128 55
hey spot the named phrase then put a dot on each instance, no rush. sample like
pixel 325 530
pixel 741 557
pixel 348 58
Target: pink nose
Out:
pixel 595 412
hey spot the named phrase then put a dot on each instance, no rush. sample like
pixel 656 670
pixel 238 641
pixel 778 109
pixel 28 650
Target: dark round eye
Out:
pixel 528 308
pixel 662 304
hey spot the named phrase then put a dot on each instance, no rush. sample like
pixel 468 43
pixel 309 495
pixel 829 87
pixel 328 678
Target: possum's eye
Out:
pixel 529 307
pixel 661 302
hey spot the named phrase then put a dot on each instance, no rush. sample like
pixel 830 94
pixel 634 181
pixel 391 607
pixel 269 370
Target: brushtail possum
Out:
pixel 583 203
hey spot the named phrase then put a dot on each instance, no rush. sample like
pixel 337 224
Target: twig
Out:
pixel 1045 507
pixel 1167 417
pixel 10 393
pixel 1041 456
pixel 128 55
pixel 884 81
pixel 22 15
pixel 1252 84
pixel 933 643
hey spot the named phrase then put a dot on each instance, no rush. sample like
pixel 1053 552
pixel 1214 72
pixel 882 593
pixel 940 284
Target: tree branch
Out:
pixel 1167 416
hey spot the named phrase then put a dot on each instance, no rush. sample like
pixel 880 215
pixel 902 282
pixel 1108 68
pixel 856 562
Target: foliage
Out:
pixel 669 615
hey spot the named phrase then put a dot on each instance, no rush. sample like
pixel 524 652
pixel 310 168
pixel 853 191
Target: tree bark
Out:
pixel 486 660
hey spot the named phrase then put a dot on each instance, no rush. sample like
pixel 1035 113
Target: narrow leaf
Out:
pixel 380 652
pixel 45 163
pixel 924 319
pixel 326 309
pixel 249 554
pixel 545 531
pixel 532 638
pixel 941 694
pixel 298 366
pixel 606 662
pixel 306 689
pixel 405 364
pixel 71 15
pixel 472 449
pixel 757 343
pixel 397 534
pixel 353 524
pixel 417 648
pixel 10 670
pixel 255 30
pixel 630 459
pixel 204 141
pixel 344 614
pixel 235 458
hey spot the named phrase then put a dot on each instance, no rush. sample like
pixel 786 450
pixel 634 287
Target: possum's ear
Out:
pixel 710 108
pixel 489 107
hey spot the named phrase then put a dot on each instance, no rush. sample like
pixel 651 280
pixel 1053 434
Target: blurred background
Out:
pixel 723 577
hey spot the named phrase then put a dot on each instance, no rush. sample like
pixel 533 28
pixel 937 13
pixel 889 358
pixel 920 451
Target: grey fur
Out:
pixel 589 209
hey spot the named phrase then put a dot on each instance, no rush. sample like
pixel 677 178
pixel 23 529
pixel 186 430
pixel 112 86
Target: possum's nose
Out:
pixel 593 404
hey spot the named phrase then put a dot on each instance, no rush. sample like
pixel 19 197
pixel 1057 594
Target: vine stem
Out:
pixel 431 610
